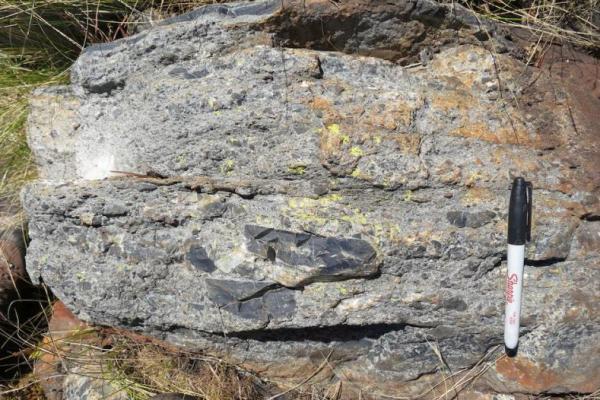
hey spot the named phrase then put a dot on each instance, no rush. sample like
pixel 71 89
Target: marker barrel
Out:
pixel 514 288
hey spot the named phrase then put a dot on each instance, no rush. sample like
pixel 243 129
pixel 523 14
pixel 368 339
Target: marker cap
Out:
pixel 511 352
pixel 519 212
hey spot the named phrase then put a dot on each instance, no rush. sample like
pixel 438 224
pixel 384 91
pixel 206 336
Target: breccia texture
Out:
pixel 320 187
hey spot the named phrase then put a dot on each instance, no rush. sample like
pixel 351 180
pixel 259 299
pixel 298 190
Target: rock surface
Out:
pixel 282 204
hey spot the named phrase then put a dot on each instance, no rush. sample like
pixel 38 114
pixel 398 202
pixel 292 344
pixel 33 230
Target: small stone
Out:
pixel 114 210
pixel 90 219
pixel 464 219
pixel 299 258
pixel 198 257
pixel 420 197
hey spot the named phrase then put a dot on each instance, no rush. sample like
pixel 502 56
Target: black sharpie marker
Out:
pixel 519 232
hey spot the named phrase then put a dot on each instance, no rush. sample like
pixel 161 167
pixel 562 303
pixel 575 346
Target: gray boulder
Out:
pixel 231 180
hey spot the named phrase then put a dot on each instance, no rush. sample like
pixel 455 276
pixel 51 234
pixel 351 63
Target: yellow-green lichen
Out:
pixel 311 210
pixel 182 159
pixel 356 151
pixel 334 129
pixel 297 170
pixel 310 217
pixel 343 291
pixel 263 220
pixel 122 267
pixel 356 217
pixel 474 177
pixel 227 167
pixel 333 197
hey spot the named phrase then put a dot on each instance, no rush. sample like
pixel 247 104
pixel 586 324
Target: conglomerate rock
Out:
pixel 294 206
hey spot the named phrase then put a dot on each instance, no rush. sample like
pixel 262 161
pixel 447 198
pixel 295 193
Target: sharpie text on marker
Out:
pixel 511 281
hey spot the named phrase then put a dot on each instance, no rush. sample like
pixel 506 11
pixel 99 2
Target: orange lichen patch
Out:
pixel 331 139
pixel 476 176
pixel 584 304
pixel 553 207
pixel 423 237
pixel 447 172
pixel 459 99
pixel 536 378
pixel 408 144
pixel 525 164
pixel 330 114
pixel 565 186
pixel 353 111
pixel 391 116
pixel 320 103
pixel 576 209
pixel 469 63
pixel 478 195
pixel 529 375
pixel 338 150
pixel 481 131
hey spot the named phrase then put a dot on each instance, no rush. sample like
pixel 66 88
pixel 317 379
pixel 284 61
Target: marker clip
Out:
pixel 529 208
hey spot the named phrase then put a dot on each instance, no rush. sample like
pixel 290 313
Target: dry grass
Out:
pixel 16 166
pixel 27 388
pixel 55 31
pixel 575 22
pixel 144 367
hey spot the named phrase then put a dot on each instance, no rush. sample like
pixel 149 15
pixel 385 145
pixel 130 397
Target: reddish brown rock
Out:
pixel 50 368
pixel 532 377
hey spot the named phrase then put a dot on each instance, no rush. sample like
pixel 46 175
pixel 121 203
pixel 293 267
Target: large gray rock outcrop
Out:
pixel 281 206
